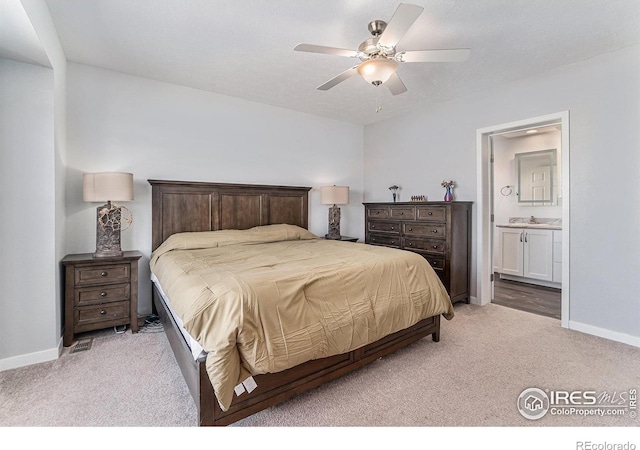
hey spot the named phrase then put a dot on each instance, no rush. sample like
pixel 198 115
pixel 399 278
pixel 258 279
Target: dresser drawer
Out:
pixel 435 246
pixel 435 262
pixel 95 314
pixel 378 213
pixel 431 213
pixel 106 274
pixel 407 213
pixel 389 241
pixel 102 294
pixel 384 227
pixel 424 230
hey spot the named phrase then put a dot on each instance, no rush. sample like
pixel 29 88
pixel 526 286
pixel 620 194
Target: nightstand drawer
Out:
pixel 102 294
pixel 101 313
pixel 119 273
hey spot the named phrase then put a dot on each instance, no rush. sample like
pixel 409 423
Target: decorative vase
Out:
pixel 448 196
pixel 394 197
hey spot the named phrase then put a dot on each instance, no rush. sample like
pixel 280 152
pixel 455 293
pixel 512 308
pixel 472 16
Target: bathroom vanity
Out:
pixel 530 253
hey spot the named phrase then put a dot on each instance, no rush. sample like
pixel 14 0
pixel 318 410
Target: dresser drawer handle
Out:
pixel 410 244
pixel 402 213
pixel 102 312
pixel 433 263
pixel 373 226
pixel 104 274
pixel 435 246
pixel 430 213
pixel 377 212
pixel 410 228
pixel 103 294
pixel 434 231
pixel 392 228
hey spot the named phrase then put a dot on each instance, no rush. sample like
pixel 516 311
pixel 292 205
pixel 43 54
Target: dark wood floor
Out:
pixel 527 297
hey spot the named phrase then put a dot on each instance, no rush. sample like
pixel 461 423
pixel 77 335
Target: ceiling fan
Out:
pixel 378 55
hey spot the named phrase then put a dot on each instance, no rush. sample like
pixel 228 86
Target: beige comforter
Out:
pixel 270 298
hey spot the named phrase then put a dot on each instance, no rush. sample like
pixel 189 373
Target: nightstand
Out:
pixel 100 293
pixel 344 238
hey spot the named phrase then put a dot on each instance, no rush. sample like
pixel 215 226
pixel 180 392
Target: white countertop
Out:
pixel 543 226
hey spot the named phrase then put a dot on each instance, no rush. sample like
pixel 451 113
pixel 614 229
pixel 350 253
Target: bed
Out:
pixel 226 237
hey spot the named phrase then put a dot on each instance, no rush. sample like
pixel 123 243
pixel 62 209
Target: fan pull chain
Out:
pixel 378 100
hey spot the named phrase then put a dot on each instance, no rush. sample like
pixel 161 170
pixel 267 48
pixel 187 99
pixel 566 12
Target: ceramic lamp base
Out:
pixel 108 228
pixel 334 223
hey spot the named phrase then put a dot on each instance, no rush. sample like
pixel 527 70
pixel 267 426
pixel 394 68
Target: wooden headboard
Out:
pixel 180 206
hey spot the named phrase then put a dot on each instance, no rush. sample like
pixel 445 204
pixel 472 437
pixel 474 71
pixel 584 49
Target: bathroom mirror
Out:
pixel 536 175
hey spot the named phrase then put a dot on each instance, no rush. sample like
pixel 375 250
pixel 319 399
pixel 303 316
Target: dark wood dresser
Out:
pixel 439 231
pixel 100 293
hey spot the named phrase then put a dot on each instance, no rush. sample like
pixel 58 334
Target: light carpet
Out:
pixel 472 378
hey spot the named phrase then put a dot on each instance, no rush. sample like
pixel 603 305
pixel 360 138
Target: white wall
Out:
pixel 27 200
pixel 32 229
pixel 157 130
pixel 419 150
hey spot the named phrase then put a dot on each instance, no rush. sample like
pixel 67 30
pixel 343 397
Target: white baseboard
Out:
pixel 604 333
pixel 31 358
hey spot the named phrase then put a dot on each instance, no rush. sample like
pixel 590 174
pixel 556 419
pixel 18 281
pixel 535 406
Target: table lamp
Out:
pixel 108 187
pixel 334 195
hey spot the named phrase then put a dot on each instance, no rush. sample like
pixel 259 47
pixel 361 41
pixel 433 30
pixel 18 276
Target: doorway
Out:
pixel 486 278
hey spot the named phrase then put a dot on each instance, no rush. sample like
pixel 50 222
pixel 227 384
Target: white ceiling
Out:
pixel 244 48
pixel 18 39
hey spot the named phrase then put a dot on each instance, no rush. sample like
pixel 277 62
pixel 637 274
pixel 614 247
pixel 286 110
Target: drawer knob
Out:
pixel 102 312
pixel 402 213
pixel 435 246
pixel 103 294
pixel 433 263
pixel 430 213
pixel 377 212
pixel 392 228
pixel 104 274
pixel 373 226
pixel 434 231
pixel 410 228
pixel 410 244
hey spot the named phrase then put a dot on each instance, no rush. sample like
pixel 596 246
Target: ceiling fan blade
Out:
pixel 395 84
pixel 453 55
pixel 326 50
pixel 399 24
pixel 339 78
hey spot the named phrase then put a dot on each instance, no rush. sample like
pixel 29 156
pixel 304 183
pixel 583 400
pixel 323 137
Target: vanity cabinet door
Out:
pixel 538 254
pixel 511 251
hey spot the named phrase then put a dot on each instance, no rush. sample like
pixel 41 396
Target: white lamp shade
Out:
pixel 377 70
pixel 107 186
pixel 334 195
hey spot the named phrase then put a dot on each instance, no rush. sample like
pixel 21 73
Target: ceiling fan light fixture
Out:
pixel 377 70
